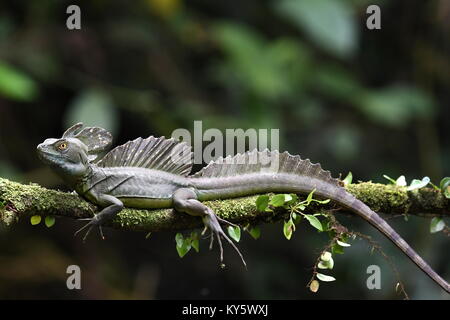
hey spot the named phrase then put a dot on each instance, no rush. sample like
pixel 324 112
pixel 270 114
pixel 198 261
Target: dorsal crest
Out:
pixel 265 161
pixel 160 153
pixel 95 139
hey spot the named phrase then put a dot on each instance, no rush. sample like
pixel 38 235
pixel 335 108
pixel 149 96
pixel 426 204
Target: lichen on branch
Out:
pixel 18 201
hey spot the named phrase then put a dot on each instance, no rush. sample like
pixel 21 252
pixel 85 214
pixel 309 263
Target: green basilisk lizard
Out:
pixel 154 173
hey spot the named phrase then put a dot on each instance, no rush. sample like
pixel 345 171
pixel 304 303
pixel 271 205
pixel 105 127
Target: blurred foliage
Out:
pixel 93 108
pixel 15 84
pixel 372 102
pixel 332 25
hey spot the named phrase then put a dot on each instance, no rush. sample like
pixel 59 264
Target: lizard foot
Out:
pixel 93 222
pixel 211 222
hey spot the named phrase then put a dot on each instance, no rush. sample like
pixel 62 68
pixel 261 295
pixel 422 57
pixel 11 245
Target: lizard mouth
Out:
pixel 43 154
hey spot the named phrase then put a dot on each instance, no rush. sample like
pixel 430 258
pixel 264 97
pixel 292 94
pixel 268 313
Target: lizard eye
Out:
pixel 62 146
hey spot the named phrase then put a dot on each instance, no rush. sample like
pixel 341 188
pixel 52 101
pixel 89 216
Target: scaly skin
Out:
pixel 112 188
pixel 213 188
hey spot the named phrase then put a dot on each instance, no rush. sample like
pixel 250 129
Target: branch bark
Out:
pixel 18 201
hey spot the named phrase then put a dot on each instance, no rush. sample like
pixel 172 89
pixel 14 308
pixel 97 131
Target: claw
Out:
pixel 221 249
pixel 101 232
pixel 91 224
pixel 237 250
pixel 211 242
pixel 87 233
pixel 211 221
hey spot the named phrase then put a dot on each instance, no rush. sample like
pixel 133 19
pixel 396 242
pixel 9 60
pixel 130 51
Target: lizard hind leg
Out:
pixel 185 200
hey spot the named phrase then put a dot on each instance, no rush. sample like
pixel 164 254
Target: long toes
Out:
pixel 211 242
pixel 221 248
pixel 235 248
pixel 82 228
pixel 226 222
pixel 212 222
pixel 101 232
pixel 91 224
pixel 87 233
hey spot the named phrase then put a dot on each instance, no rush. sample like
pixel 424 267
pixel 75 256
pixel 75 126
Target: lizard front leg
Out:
pixel 111 207
pixel 185 200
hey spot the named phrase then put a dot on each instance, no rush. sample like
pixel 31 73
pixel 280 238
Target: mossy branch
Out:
pixel 18 201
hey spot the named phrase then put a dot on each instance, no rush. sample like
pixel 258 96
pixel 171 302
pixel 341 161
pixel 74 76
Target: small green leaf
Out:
pixel 314 222
pixel 314 286
pixel 35 220
pixel 195 244
pixel 278 200
pixel 179 239
pixel 194 238
pixel 401 181
pixel 310 197
pixel 262 202
pixel 343 244
pixel 49 221
pixel 288 229
pixel 326 256
pixel 330 263
pixel 255 232
pixel 445 187
pixel 234 232
pixel 321 201
pixel 183 245
pixel 294 198
pixel 148 235
pixel 337 249
pixel 390 179
pixel 183 250
pixel 326 225
pixel 324 277
pixel 444 183
pixel 436 225
pixel 417 184
pixel 287 198
pixel 348 179
pixel 296 218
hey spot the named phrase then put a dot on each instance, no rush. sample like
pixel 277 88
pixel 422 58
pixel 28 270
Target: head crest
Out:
pixel 96 139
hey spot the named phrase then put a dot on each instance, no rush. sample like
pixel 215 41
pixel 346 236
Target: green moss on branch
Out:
pixel 19 201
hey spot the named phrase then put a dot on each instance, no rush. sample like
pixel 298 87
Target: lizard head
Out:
pixel 71 154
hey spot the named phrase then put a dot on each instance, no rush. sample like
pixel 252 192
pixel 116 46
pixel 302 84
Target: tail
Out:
pixel 374 219
pixel 259 172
